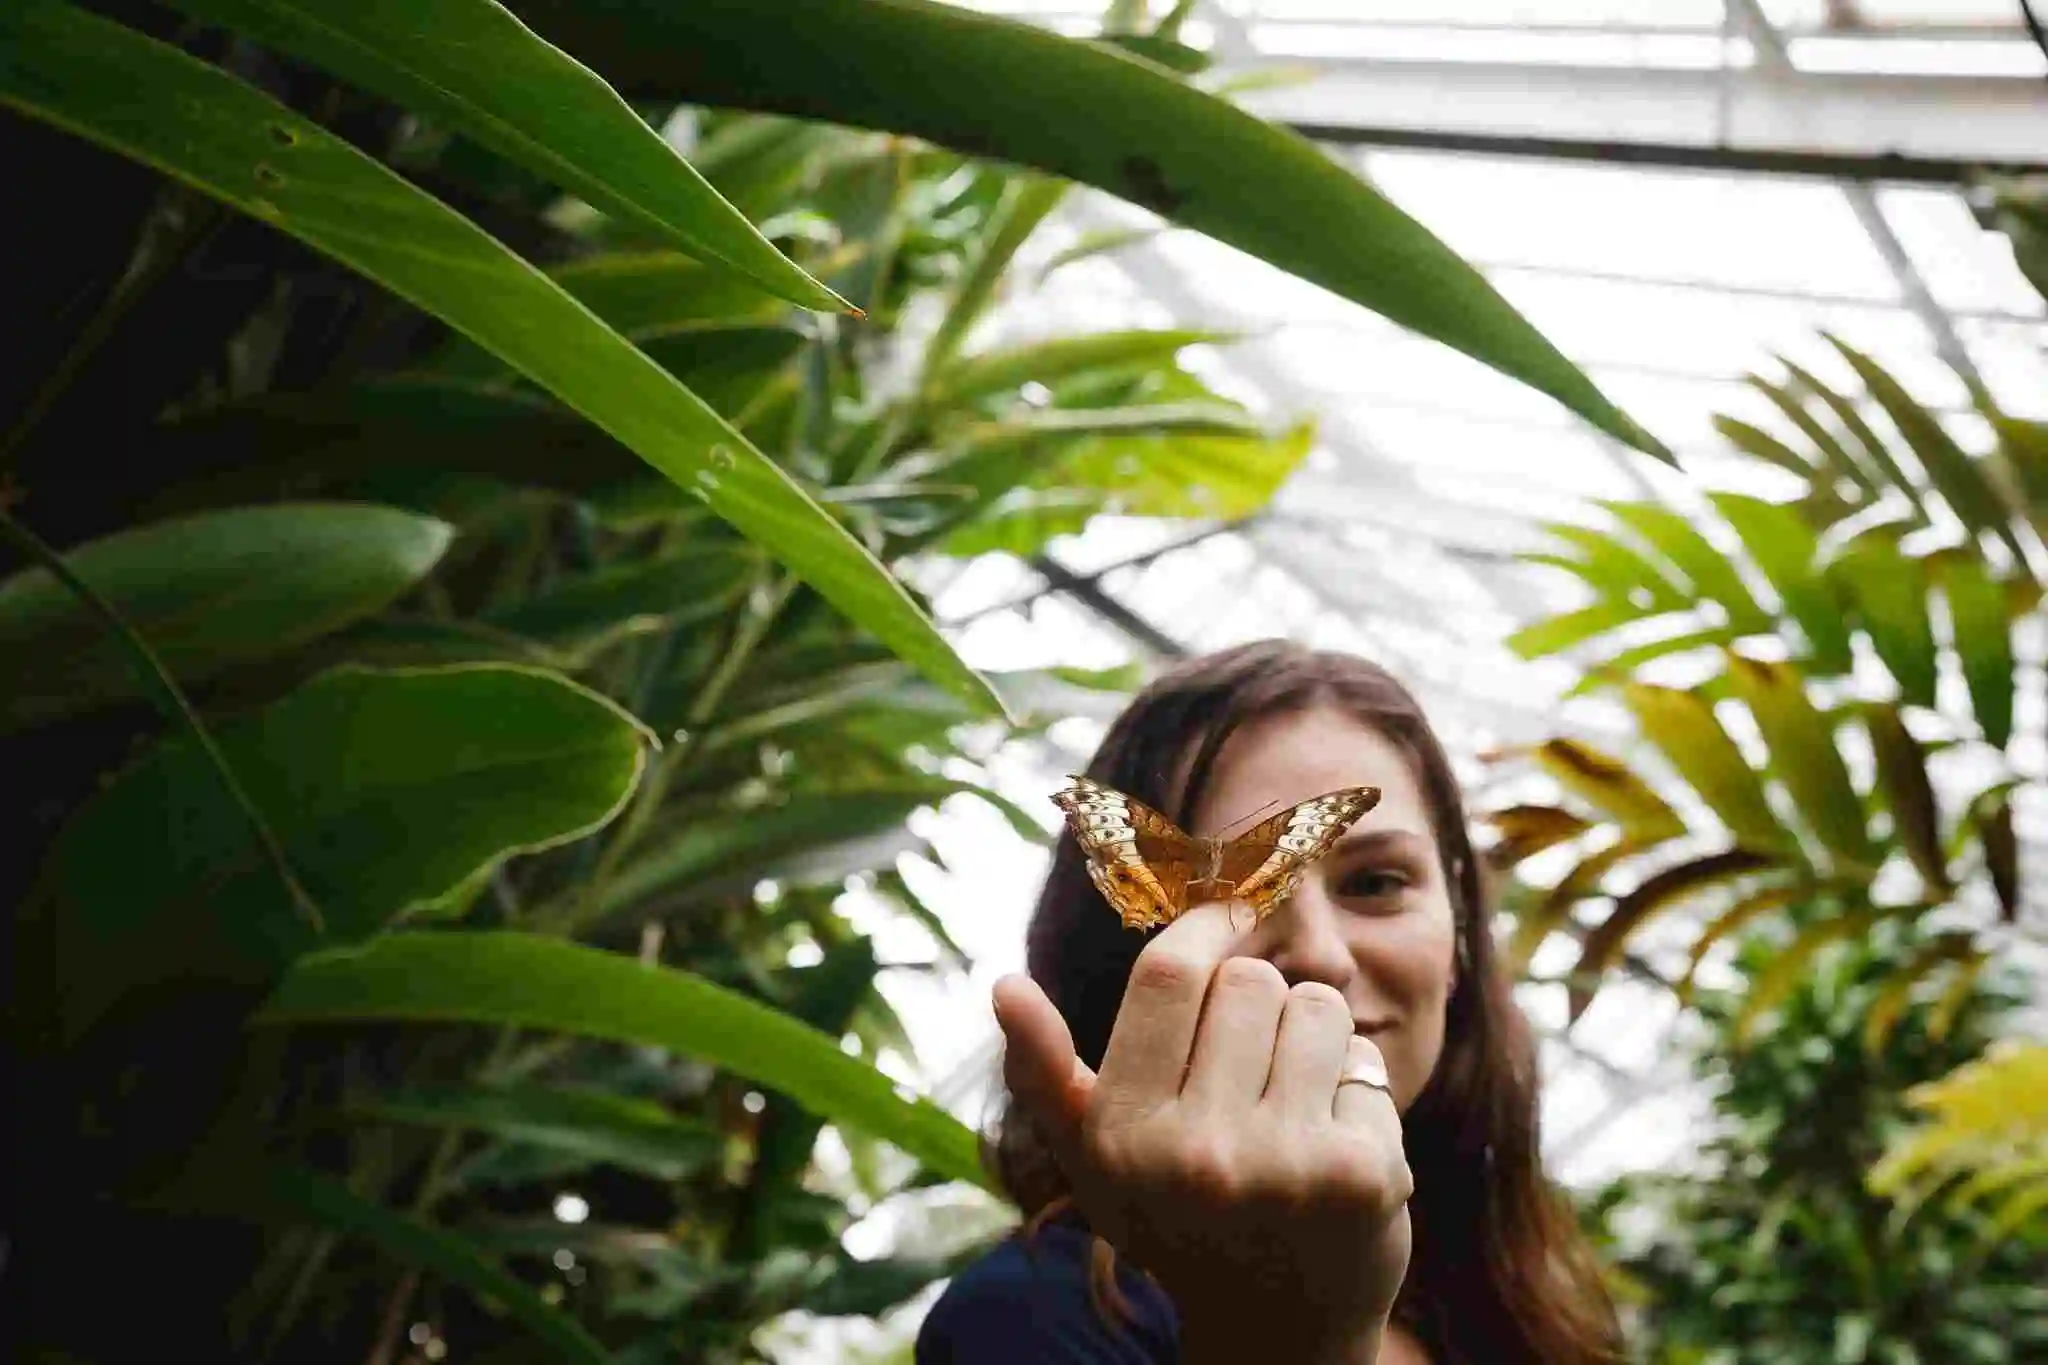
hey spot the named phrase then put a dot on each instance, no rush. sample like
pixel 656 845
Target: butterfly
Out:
pixel 1150 870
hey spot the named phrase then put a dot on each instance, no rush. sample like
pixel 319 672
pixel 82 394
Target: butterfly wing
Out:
pixel 1267 861
pixel 1138 859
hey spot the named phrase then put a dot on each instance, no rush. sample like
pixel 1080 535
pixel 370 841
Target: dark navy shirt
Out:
pixel 1026 1302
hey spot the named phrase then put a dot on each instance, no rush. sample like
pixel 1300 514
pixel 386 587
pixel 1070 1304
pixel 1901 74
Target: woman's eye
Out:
pixel 1369 883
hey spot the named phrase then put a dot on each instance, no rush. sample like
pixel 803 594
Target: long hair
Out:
pixel 1499 1271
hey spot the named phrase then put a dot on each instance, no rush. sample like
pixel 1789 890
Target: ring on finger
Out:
pixel 1366 1067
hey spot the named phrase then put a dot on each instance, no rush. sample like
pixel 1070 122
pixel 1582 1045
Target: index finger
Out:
pixel 1154 1034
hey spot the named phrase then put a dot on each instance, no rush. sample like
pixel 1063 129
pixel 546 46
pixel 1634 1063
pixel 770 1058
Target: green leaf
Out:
pixel 1710 572
pixel 1026 202
pixel 1785 548
pixel 692 583
pixel 1875 453
pixel 1757 442
pixel 1980 624
pixel 1908 793
pixel 1890 1002
pixel 1605 672
pixel 1682 724
pixel 1526 831
pixel 1604 942
pixel 204 127
pixel 1554 911
pixel 592 1125
pixel 207 592
pixel 1793 964
pixel 1887 592
pixel 1607 783
pixel 1099 242
pixel 1555 634
pixel 303 1195
pixel 1735 918
pixel 1803 755
pixel 1954 474
pixel 1050 361
pixel 531 982
pixel 1834 457
pixel 473 65
pixel 1618 571
pixel 1993 821
pixel 347 770
pixel 717 852
pixel 995 87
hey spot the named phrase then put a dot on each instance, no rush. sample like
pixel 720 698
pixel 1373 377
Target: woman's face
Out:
pixel 1372 917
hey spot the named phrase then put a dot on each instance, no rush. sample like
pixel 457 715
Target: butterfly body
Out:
pixel 1151 871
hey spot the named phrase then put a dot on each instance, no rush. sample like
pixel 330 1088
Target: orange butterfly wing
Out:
pixel 1138 859
pixel 1267 861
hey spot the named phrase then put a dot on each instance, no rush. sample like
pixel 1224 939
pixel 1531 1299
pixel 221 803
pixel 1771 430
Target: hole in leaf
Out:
pixel 283 136
pixel 268 175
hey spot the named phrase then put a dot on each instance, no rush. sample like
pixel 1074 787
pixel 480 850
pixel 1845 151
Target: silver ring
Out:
pixel 1369 1069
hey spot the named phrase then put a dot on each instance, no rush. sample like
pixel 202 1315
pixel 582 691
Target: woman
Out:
pixel 1309 1140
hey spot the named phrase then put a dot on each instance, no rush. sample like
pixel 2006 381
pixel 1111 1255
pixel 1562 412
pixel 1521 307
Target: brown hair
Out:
pixel 1499 1270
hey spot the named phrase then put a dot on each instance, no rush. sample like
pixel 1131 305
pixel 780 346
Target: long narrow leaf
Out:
pixel 1785 548
pixel 192 121
pixel 1909 793
pixel 527 981
pixel 1712 574
pixel 1683 725
pixel 1657 892
pixel 1891 1001
pixel 1803 755
pixel 1980 624
pixel 1875 453
pixel 1048 362
pixel 472 64
pixel 1082 111
pixel 1887 591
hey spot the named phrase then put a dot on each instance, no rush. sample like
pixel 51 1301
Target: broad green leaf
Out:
pixel 1803 755
pixel 491 977
pixel 1954 474
pixel 1608 783
pixel 692 583
pixel 995 87
pixel 1980 625
pixel 641 295
pixel 202 126
pixel 1887 593
pixel 1175 474
pixel 716 852
pixel 1526 831
pixel 1682 724
pixel 1785 548
pixel 1604 942
pixel 1908 794
pixel 1890 1002
pixel 589 1124
pixel 2024 445
pixel 1710 572
pixel 1047 362
pixel 472 64
pixel 348 770
pixel 207 592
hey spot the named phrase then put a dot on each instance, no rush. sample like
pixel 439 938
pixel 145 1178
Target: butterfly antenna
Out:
pixel 1233 825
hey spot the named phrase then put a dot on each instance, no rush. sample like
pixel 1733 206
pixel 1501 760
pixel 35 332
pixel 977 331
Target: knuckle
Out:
pixel 1165 972
pixel 1252 975
pixel 1206 1167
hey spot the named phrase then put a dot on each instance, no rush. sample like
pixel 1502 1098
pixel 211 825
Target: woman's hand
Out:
pixel 1217 1150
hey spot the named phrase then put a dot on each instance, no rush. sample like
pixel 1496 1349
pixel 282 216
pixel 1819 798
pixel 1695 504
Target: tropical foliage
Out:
pixel 1823 688
pixel 465 501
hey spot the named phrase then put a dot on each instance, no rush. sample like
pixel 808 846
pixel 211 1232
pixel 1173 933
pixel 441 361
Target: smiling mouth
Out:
pixel 1372 1027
